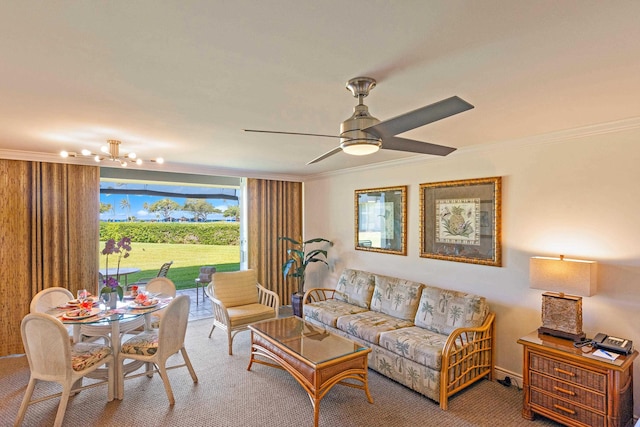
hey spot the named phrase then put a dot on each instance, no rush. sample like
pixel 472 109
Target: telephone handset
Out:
pixel 617 345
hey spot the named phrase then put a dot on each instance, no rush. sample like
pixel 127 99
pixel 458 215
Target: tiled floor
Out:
pixel 201 308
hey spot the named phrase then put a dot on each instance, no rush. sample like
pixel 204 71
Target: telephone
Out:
pixel 617 345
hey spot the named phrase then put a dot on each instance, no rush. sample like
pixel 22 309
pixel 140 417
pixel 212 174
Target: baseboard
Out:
pixel 501 373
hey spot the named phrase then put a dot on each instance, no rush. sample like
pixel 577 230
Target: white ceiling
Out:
pixel 182 79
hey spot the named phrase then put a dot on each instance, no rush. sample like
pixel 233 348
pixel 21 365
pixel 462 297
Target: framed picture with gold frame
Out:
pixel 460 221
pixel 381 220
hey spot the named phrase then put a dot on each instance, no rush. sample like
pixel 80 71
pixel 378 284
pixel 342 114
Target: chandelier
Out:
pixel 112 153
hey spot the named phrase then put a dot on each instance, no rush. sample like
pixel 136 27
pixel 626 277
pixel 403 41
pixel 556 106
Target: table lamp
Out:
pixel 569 279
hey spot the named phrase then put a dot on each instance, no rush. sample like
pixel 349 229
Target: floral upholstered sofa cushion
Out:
pixel 442 310
pixel 396 297
pixel 355 287
pixel 327 312
pixel 368 325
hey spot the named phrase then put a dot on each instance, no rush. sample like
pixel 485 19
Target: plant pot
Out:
pixel 296 304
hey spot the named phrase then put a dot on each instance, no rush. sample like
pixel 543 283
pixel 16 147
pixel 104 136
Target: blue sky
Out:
pixel 137 201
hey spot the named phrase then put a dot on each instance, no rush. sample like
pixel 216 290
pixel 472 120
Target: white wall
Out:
pixel 578 197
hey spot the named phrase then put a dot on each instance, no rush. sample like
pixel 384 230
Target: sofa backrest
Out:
pixel 443 310
pixel 355 287
pixel 396 297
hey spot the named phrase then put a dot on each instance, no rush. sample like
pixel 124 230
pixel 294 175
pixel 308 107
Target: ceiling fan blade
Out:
pixel 413 146
pixel 420 117
pixel 290 133
pixel 325 155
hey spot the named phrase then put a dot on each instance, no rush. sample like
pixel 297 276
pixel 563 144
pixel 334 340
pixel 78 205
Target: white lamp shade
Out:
pixel 563 275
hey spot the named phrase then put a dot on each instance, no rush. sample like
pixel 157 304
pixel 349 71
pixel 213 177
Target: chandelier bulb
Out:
pixel 111 152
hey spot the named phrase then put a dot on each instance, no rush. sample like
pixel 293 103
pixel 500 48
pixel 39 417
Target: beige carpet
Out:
pixel 229 395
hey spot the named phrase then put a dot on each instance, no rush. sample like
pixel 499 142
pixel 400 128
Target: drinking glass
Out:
pixel 82 294
pixel 105 297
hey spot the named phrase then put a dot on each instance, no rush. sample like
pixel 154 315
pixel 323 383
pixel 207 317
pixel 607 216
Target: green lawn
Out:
pixel 187 260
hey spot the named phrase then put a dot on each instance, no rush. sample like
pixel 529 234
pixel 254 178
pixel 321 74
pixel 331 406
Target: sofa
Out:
pixel 434 341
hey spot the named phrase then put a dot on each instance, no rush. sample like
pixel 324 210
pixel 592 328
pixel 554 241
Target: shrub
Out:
pixel 208 233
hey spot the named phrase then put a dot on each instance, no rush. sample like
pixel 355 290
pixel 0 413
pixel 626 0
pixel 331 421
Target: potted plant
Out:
pixel 111 284
pixel 300 256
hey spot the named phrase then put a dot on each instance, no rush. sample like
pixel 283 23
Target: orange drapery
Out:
pixel 49 232
pixel 274 210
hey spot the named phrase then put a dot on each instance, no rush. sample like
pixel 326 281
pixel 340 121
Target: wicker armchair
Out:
pixel 238 300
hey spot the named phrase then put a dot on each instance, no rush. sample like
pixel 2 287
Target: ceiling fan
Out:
pixel 363 134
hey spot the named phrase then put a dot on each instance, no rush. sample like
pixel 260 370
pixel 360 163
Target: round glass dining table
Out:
pixel 111 322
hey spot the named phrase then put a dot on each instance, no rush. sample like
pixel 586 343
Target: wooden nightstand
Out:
pixel 575 388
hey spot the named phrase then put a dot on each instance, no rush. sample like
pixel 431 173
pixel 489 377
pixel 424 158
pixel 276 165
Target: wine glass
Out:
pixel 82 294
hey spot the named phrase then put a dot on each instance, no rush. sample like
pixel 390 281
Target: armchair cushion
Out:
pixel 235 288
pixel 249 313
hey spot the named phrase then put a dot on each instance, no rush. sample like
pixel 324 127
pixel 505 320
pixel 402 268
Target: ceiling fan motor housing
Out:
pixel 350 129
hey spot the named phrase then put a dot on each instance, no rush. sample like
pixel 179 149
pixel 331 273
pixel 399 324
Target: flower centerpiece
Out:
pixel 121 248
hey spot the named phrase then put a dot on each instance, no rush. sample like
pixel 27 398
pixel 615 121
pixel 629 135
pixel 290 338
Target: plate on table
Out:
pixel 77 302
pixel 79 314
pixel 146 304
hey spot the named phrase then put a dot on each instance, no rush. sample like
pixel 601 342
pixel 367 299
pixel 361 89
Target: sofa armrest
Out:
pixel 268 298
pixel 318 294
pixel 467 356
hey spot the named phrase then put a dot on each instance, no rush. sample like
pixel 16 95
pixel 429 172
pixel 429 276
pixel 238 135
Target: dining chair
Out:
pixel 160 285
pixel 50 298
pixel 164 269
pixel 53 358
pixel 157 345
pixel 238 300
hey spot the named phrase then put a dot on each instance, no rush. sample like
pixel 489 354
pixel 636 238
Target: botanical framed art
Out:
pixel 381 220
pixel 460 221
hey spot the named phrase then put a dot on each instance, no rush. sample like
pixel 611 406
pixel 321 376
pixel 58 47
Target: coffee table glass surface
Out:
pixel 312 343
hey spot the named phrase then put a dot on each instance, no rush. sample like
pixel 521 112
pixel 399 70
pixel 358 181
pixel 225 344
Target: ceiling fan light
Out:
pixel 361 147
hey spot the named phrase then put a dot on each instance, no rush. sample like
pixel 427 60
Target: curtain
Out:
pixel 274 209
pixel 49 229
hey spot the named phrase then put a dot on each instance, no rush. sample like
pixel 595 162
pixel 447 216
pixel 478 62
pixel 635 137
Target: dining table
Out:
pixel 111 319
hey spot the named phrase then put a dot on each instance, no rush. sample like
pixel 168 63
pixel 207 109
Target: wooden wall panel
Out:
pixel 274 210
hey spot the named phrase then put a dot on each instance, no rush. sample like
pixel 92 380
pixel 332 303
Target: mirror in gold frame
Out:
pixel 381 220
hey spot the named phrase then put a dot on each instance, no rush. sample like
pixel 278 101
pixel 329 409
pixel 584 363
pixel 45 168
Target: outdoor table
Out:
pixel 124 271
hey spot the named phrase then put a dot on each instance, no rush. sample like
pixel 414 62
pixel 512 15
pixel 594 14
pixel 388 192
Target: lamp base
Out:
pixel 562 334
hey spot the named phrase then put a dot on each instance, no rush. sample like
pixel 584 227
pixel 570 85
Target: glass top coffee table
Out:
pixel 317 359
